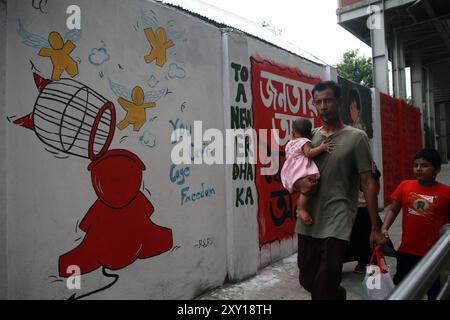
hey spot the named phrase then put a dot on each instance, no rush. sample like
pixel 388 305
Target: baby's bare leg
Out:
pixel 302 214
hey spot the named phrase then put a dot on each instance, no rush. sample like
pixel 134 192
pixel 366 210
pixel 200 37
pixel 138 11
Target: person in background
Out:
pixel 426 208
pixel 359 247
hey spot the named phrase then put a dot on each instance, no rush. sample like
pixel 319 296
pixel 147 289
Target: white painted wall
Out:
pixel 243 246
pixel 47 197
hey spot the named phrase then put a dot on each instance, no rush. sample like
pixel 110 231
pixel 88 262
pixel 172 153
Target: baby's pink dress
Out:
pixel 297 165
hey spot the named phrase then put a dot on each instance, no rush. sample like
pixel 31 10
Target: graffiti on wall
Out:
pixel 134 102
pixel 59 54
pixel 188 196
pixel 148 139
pixel 152 81
pixel 56 48
pixel 71 117
pixel 241 119
pixel 74 119
pixel 176 72
pixel 281 94
pixel 118 229
pixel 39 5
pixel 159 43
pixel 135 109
pixel 179 175
pixel 150 20
pixel 160 37
pixel 99 56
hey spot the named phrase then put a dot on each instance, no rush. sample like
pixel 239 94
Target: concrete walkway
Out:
pixel 279 281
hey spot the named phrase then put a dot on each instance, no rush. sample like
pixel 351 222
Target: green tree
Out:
pixel 356 68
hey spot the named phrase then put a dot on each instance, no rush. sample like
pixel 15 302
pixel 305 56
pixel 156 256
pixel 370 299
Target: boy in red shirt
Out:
pixel 426 208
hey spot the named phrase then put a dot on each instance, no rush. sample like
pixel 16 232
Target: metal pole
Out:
pixel 445 291
pixel 420 279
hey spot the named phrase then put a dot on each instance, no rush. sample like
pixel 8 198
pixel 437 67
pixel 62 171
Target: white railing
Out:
pixel 435 263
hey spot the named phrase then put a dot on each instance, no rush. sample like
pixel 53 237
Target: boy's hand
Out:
pixel 327 146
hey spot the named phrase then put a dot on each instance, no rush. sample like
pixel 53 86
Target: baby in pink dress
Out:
pixel 299 164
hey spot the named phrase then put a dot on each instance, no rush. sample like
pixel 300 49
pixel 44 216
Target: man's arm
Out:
pixel 369 189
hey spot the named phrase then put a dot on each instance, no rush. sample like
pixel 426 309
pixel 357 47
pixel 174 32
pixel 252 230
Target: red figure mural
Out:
pixel 117 226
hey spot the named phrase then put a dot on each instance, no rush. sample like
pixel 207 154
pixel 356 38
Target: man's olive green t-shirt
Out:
pixel 333 207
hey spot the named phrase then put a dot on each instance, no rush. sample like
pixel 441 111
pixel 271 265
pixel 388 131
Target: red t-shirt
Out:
pixel 425 211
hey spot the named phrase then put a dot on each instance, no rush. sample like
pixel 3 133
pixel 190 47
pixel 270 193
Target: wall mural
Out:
pixel 59 54
pixel 181 174
pixel 176 72
pixel 281 94
pixel 118 226
pixel 241 118
pixel 72 119
pixel 99 56
pixel 159 43
pixel 160 37
pixel 135 102
pixel 39 5
pixel 59 51
pixel 149 20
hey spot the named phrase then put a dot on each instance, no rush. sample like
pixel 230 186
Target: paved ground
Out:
pixel 280 280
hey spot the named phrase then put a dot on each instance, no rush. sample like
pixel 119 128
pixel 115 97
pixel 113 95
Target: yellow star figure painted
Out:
pixel 159 45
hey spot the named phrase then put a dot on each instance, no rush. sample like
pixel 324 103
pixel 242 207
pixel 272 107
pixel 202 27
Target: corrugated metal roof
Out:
pixel 440 73
pixel 223 19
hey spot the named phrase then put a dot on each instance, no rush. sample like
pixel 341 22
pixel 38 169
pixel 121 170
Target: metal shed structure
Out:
pixel 415 34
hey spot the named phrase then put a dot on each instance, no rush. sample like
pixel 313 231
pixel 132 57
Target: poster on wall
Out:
pixel 357 106
pixel 390 140
pixel 281 94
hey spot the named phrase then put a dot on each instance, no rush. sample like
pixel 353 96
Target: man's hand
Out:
pixel 385 232
pixel 307 185
pixel 377 238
